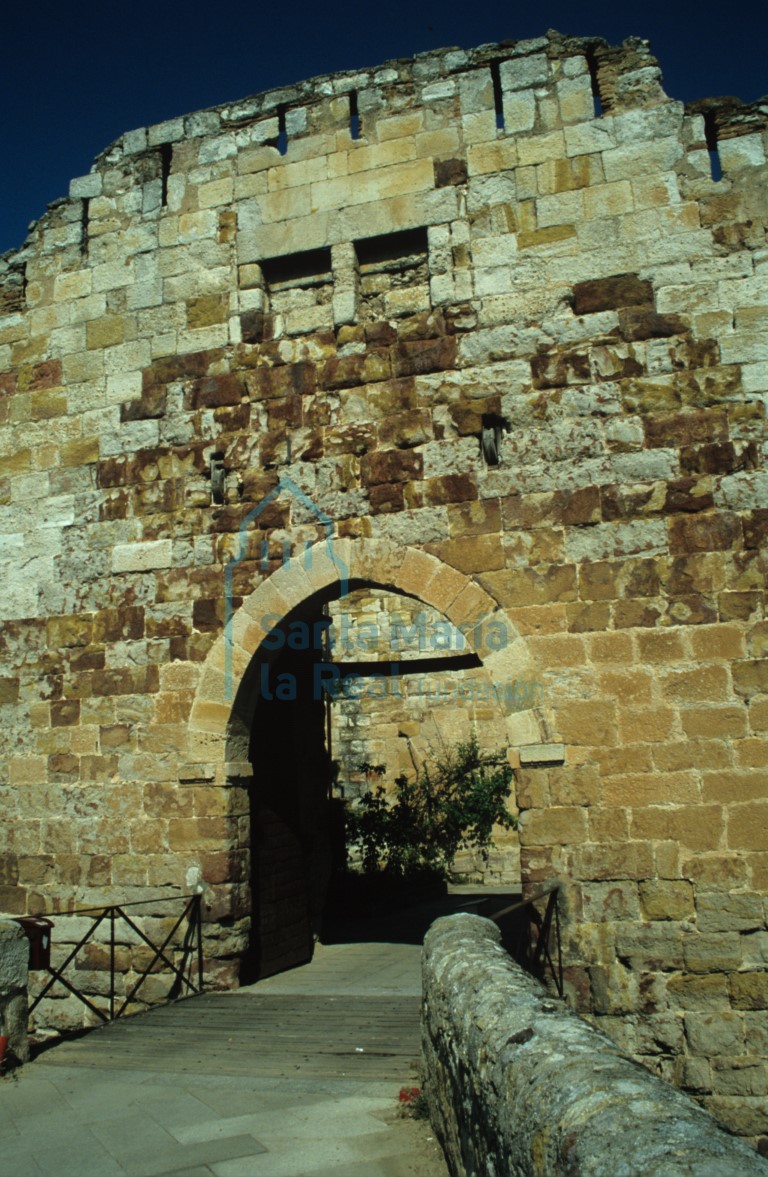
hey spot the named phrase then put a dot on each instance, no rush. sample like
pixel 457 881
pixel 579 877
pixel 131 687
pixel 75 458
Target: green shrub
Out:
pixel 450 806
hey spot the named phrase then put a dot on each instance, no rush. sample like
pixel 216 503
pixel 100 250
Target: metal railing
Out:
pixel 191 949
pixel 533 939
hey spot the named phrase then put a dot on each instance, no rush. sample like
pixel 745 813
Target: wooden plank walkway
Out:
pixel 245 1033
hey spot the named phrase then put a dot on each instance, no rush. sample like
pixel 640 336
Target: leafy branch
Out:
pixel 450 806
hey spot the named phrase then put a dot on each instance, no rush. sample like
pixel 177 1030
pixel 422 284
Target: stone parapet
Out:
pixel 516 1083
pixel 14 956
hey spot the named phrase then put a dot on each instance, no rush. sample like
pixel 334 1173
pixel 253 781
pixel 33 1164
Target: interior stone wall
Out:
pixel 507 343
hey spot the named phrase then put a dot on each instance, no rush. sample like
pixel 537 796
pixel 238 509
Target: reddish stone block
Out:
pixel 685 429
pixel 450 488
pixel 379 334
pixel 716 531
pixel 422 356
pixel 123 623
pixel 427 325
pixel 468 416
pixel 255 326
pixel 65 713
pixel 720 457
pixel 39 376
pixel 682 496
pixel 209 392
pixel 450 171
pixel 151 404
pixel 391 466
pixel 208 614
pixel 284 380
pixel 560 368
pixel 640 322
pixel 607 294
pixel 181 367
pixel 351 371
pixel 112 472
pixel 623 502
pixel 386 497
pixel 755 526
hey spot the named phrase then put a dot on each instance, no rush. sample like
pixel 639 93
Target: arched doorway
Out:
pixel 282 756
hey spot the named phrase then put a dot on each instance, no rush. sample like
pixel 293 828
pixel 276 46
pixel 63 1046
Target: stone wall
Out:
pixel 489 344
pixel 14 955
pixel 517 1084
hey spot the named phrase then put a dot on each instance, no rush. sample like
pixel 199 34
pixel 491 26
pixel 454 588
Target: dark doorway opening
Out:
pixel 292 813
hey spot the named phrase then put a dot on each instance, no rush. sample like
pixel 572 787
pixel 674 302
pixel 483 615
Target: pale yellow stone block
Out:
pixel 287 205
pixel 82 367
pixel 76 284
pixel 198 225
pixel 215 193
pixel 103 226
pixel 472 608
pixel 45 319
pixel 397 126
pixel 85 740
pixel 479 127
pixel 406 301
pixel 105 332
pixel 254 184
pixel 256 159
pixel 519 112
pixel 27 770
pixel 179 676
pixel 379 155
pixel 608 200
pixel 441 143
pixel 538 148
pixel 295 175
pixel 523 727
pixel 575 98
pixel 653 191
pixel 564 208
pixel 338 164
pixel 91 307
pixel 415 573
pixel 590 137
pixel 364 188
pixel 564 175
pixel 314 146
pixel 499 156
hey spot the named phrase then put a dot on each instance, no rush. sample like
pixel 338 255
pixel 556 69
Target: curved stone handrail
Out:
pixel 516 1083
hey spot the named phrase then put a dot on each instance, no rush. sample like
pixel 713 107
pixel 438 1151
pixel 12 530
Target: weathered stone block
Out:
pixel 602 294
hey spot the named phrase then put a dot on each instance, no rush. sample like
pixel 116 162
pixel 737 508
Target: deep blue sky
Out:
pixel 74 77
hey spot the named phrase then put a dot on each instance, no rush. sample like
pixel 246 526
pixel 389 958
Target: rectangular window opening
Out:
pixel 354 116
pixel 498 96
pixel 594 77
pixel 166 159
pixel 710 134
pixel 394 275
pixel 310 268
pixel 392 251
pixel 84 225
pixel 280 142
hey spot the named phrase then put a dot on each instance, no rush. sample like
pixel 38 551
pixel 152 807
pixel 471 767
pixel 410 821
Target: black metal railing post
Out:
pixel 535 955
pixel 111 963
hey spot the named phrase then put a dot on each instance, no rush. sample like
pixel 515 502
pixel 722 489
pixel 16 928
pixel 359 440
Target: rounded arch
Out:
pixel 219 729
